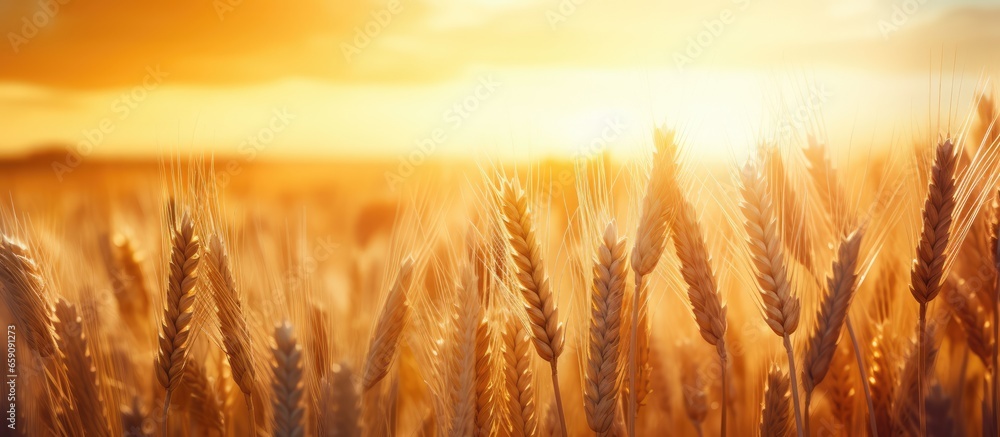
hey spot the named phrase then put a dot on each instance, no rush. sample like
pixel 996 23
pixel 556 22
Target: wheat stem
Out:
pixel 921 344
pixel 633 361
pixel 389 328
pixel 540 303
pixel 794 384
pixel 559 402
pixel 864 378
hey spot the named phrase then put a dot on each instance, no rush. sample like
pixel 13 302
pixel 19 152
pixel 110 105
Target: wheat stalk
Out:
pixel 841 388
pixel 389 328
pixel 882 378
pixel 993 238
pixel 232 322
pixel 519 379
pixel 339 404
pixel 774 417
pixel 703 293
pixel 693 393
pixel 906 411
pixel 834 306
pixel 791 214
pixel 485 398
pixel 84 384
pixel 824 178
pixel 463 366
pixel 602 383
pixel 182 279
pixel 540 303
pixel 781 308
pixel 26 295
pixel 204 403
pixel 650 241
pixel 927 272
pixel 124 265
pixel 287 383
pixel 974 321
pixel 320 343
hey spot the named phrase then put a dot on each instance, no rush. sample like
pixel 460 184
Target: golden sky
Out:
pixel 494 77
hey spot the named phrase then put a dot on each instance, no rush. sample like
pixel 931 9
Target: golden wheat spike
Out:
pixel 519 379
pixel 84 382
pixel 602 375
pixel 232 322
pixel 928 268
pixel 832 313
pixel 540 304
pixel 389 328
pixel 25 294
pixel 526 255
pixel 287 383
pixel 781 308
pixel 927 272
pixel 775 420
pixel 204 403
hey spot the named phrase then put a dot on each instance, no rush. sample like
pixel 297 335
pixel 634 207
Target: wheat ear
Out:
pixel 84 383
pixel 774 418
pixel 791 213
pixel 650 241
pixel 882 379
pixel 205 405
pixel 124 265
pixel 485 400
pixel 236 338
pixel 340 397
pixel 706 303
pixel 927 272
pixel 825 179
pixel 781 308
pixel 539 302
pixel 833 309
pixel 974 321
pixel 905 415
pixel 519 379
pixel 26 295
pixel 841 391
pixel 693 392
pixel 232 321
pixel 287 383
pixel 602 383
pixel 994 237
pixel 320 343
pixel 182 279
pixel 389 328
pixel 463 389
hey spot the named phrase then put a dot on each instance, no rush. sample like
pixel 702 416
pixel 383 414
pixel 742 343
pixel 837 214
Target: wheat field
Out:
pixel 788 294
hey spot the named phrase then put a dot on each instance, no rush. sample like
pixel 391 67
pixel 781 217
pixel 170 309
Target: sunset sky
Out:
pixel 501 78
